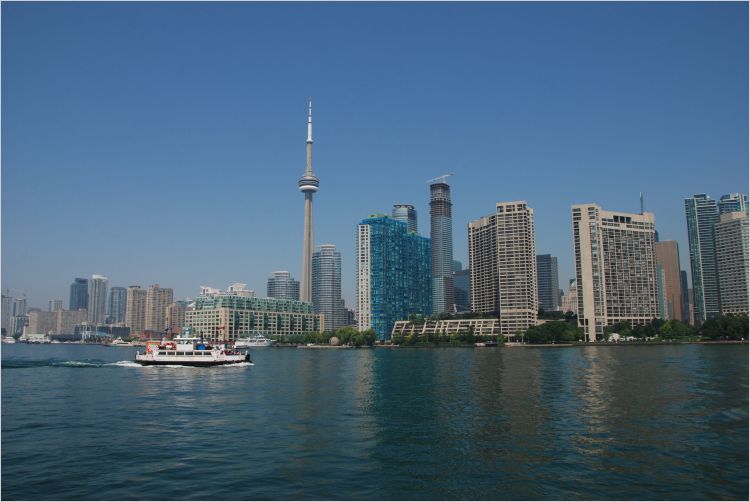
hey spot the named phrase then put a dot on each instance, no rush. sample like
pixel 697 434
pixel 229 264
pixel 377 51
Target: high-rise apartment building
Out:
pixel 441 233
pixel 393 274
pixel 135 309
pixel 79 294
pixel 55 305
pixel 157 301
pixel 326 286
pixel 615 268
pixel 547 282
pixel 733 202
pixel 308 185
pixel 97 308
pixel 462 290
pixel 407 214
pixel 732 261
pixel 502 264
pixel 116 304
pixel 669 282
pixel 176 315
pixel 702 214
pixel 19 307
pixel 282 285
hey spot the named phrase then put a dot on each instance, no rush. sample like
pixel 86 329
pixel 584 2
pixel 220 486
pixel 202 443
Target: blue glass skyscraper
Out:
pixel 394 276
pixel 702 213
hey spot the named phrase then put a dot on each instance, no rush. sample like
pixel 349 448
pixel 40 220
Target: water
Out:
pixel 658 422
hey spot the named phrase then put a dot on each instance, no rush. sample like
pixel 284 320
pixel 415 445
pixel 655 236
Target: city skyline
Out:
pixel 253 146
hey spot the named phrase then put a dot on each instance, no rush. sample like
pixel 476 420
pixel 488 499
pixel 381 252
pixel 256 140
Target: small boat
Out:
pixel 119 342
pixel 256 341
pixel 9 339
pixel 486 344
pixel 186 350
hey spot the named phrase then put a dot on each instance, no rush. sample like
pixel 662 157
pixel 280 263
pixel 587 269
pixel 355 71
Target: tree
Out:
pixel 552 332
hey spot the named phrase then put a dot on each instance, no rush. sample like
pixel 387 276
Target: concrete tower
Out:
pixel 308 185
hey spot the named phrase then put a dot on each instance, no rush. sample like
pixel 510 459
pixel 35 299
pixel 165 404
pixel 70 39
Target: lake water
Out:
pixel 638 422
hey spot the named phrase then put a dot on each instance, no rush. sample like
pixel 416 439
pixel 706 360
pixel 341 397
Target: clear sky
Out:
pixel 162 142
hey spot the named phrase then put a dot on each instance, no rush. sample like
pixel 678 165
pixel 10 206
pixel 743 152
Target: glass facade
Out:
pixel 702 214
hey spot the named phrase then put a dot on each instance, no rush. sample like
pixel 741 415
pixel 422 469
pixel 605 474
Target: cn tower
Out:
pixel 308 185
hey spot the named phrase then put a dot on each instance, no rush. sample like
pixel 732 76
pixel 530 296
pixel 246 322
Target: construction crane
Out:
pixel 441 179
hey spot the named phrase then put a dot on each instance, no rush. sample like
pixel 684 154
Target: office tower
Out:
pixel 393 274
pixel 615 268
pixel 55 305
pixel 97 307
pixel 668 261
pixel 548 288
pixel 407 214
pixel 702 214
pixel 733 202
pixel 462 290
pixel 308 185
pixel 135 309
pixel 326 286
pixel 441 233
pixel 176 314
pixel 157 301
pixel 570 299
pixel 502 264
pixel 19 307
pixel 685 298
pixel 732 261
pixel 7 313
pixel 79 294
pixel 282 285
pixel 116 305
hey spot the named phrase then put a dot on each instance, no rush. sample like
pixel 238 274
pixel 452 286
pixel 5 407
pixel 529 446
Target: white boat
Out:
pixel 9 339
pixel 255 341
pixel 119 342
pixel 189 351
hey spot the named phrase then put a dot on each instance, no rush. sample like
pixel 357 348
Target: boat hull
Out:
pixel 202 362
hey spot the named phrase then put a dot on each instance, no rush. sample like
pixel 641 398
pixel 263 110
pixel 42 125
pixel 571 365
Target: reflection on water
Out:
pixel 666 422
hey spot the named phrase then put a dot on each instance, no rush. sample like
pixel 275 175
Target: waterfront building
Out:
pixel 570 299
pixel 282 285
pixel 55 305
pixel 118 297
pixel 326 286
pixel 225 316
pixel 685 302
pixel 732 261
pixel 18 323
pixel 97 307
pixel 702 214
pixel 79 294
pixel 548 288
pixel 7 313
pixel 733 202
pixel 157 301
pixel 135 309
pixel 502 265
pixel 68 319
pixel 669 282
pixel 308 185
pixel 19 307
pixel 462 290
pixel 407 214
pixel 393 274
pixel 441 233
pixel 42 322
pixel 447 327
pixel 176 314
pixel 615 268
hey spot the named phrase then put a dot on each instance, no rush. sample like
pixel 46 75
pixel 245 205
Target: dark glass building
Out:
pixel 79 294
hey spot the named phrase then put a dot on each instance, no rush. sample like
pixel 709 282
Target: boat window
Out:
pixel 162 353
pixel 180 353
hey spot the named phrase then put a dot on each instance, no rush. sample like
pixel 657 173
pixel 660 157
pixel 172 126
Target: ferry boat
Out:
pixel 186 350
pixel 256 341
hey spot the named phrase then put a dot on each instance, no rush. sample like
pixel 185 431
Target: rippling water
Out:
pixel 663 422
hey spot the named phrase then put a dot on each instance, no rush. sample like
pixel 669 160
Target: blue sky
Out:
pixel 162 142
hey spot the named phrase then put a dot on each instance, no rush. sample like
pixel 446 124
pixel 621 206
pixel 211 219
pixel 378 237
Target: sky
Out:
pixel 161 143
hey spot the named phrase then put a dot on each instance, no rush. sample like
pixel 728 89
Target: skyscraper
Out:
pixel 7 313
pixel 116 305
pixel 393 274
pixel 702 214
pixel 97 307
pixel 308 185
pixel 668 262
pixel 157 301
pixel 326 286
pixel 548 288
pixel 502 263
pixel 55 305
pixel 615 268
pixel 733 202
pixel 19 307
pixel 283 286
pixel 441 233
pixel 135 309
pixel 732 261
pixel 685 298
pixel 407 214
pixel 79 294
pixel 462 290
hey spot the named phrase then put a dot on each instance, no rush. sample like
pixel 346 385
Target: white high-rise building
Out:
pixel 732 262
pixel 97 307
pixel 283 286
pixel 326 286
pixel 615 268
pixel 502 265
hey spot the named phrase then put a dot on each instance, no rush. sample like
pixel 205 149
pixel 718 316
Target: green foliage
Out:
pixel 553 332
pixel 726 327
pixel 554 315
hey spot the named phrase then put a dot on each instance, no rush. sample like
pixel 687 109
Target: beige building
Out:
pixel 570 299
pixel 668 268
pixel 732 262
pixel 480 327
pixel 615 268
pixel 135 309
pixel 176 317
pixel 157 301
pixel 59 322
pixel 41 322
pixel 502 266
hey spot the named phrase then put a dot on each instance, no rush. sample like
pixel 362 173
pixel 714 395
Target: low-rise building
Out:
pixel 479 327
